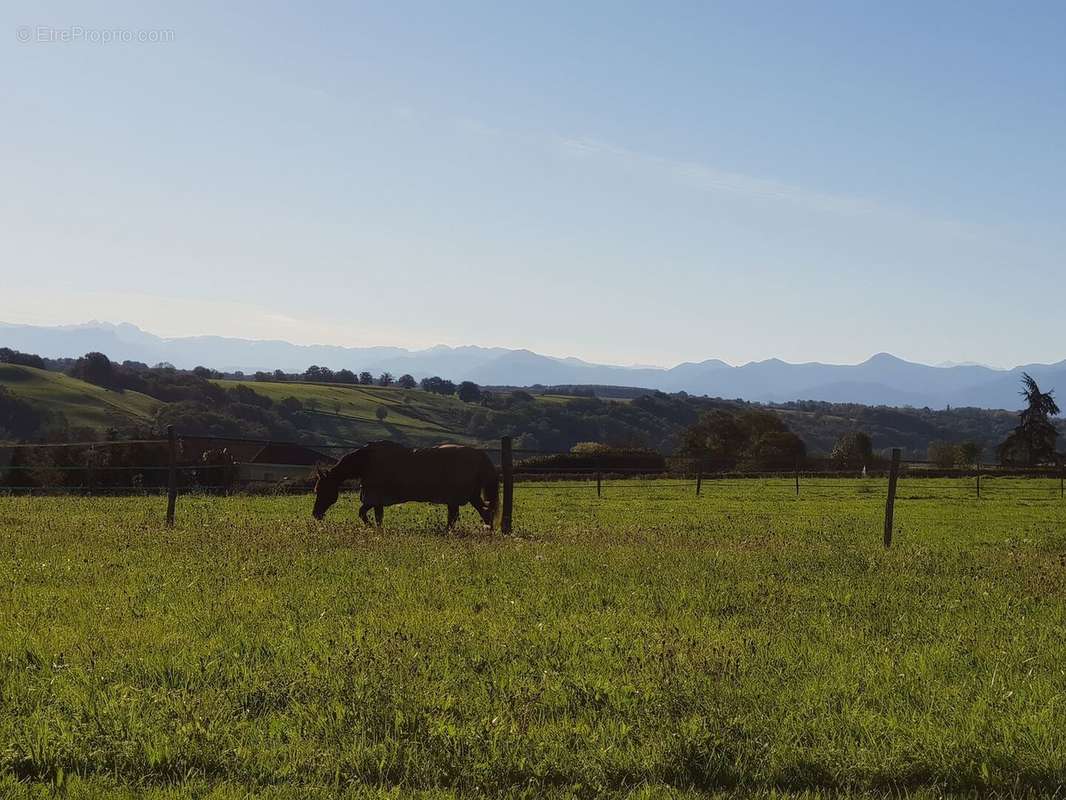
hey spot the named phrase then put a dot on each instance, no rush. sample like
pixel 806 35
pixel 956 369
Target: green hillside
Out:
pixel 346 413
pixel 349 412
pixel 81 403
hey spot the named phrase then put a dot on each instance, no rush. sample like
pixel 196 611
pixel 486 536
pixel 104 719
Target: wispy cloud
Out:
pixel 692 174
pixel 704 177
pixel 891 217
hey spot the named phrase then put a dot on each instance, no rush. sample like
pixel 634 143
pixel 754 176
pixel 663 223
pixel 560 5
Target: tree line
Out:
pixel 732 434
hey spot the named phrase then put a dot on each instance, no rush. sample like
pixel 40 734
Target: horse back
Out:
pixel 449 474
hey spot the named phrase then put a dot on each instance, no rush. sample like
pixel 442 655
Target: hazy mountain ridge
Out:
pixel 880 380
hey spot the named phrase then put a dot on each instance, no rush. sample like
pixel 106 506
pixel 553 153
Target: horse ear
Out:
pixel 318 472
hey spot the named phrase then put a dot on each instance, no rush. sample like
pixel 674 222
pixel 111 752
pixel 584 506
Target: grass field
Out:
pixel 349 411
pixel 648 643
pixel 83 404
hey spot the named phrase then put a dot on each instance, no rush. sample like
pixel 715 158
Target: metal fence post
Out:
pixel 891 502
pixel 699 476
pixel 797 479
pixel 172 474
pixel 507 468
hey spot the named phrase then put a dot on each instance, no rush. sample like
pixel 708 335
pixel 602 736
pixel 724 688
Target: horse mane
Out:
pixel 349 464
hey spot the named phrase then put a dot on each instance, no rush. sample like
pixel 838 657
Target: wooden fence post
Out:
pixel 797 479
pixel 172 474
pixel 89 458
pixel 891 502
pixel 1062 481
pixel 978 478
pixel 699 475
pixel 507 468
pixel 599 484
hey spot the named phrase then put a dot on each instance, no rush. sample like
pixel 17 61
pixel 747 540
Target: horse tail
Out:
pixel 490 490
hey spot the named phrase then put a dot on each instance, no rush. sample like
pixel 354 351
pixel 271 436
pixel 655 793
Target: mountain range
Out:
pixel 882 379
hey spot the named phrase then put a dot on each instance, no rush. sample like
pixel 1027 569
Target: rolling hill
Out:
pixel 343 413
pixel 82 404
pixel 349 413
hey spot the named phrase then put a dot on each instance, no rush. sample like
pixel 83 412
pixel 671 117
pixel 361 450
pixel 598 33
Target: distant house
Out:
pixel 277 462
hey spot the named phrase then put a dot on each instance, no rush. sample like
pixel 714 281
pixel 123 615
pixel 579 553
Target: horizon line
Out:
pixel 948 364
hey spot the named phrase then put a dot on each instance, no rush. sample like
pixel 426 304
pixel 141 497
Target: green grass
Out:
pixel 83 404
pixel 647 643
pixel 348 411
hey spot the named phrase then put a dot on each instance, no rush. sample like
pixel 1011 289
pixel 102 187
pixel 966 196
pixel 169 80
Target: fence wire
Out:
pixel 223 464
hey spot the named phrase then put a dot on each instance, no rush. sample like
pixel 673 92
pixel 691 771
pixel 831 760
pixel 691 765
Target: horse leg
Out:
pixel 481 509
pixel 379 514
pixel 453 515
pixel 363 509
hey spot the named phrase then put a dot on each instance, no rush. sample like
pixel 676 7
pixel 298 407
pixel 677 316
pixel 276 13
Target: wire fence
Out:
pixel 215 464
pixel 243 463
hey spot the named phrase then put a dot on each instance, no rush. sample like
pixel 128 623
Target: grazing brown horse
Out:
pixel 390 473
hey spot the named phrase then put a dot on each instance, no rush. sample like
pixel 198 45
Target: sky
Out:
pixel 625 183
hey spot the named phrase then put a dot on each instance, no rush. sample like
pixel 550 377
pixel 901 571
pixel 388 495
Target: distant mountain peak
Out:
pixel 953 364
pixel 885 358
pixel 883 379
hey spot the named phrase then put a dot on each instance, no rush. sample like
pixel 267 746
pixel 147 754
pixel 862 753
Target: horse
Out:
pixel 389 473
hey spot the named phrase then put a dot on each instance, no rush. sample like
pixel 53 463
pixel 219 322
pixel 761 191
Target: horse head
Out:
pixel 328 482
pixel 327 488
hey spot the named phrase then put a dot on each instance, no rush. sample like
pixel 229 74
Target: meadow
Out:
pixel 646 643
pixel 350 411
pixel 82 404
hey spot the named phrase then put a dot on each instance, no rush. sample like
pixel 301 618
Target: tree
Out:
pixel 9 356
pixel 365 378
pixel 526 441
pixel 1033 441
pixel 777 450
pixel 853 450
pixel 717 436
pixel 943 454
pixel 968 454
pixel 279 375
pixel 385 379
pixel 245 395
pixel 406 381
pixel 19 419
pixel 438 385
pixel 750 439
pixel 469 392
pixel 290 405
pixel 95 368
pixel 381 413
pixel 345 376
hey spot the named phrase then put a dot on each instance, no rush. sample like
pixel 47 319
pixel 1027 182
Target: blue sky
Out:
pixel 631 183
